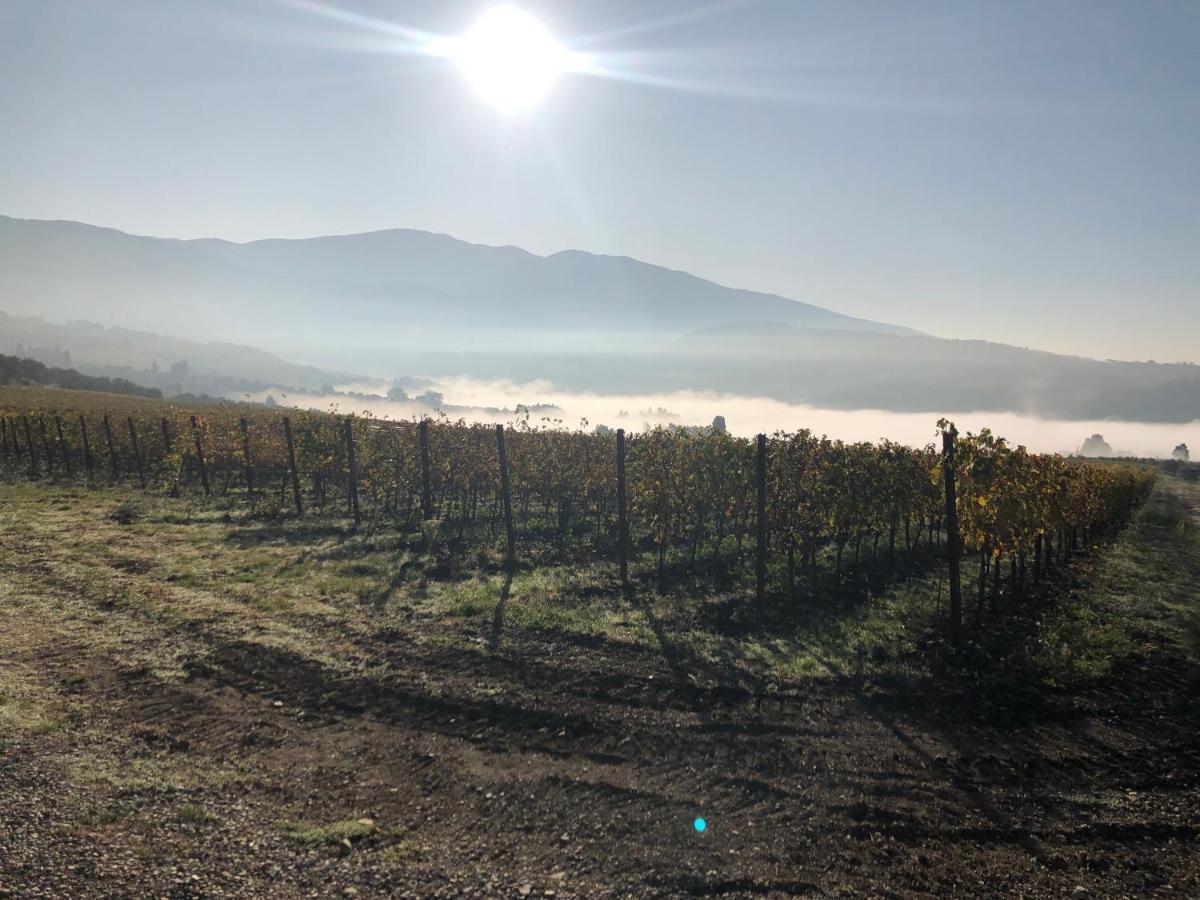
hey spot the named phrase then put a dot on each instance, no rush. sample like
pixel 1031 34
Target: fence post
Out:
pixel 760 560
pixel 4 435
pixel 953 547
pixel 622 512
pixel 349 426
pixel 46 445
pixel 505 496
pixel 200 455
pixel 137 455
pixel 426 492
pixel 165 430
pixel 33 465
pixel 16 445
pixel 291 451
pixel 62 444
pixel 112 450
pixel 88 459
pixel 247 468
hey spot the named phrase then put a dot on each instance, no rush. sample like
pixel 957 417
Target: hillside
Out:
pixel 18 370
pixel 172 364
pixel 411 303
pixel 366 280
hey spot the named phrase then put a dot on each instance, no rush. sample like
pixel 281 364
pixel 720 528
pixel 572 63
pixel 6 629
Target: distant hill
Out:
pixel 174 365
pixel 17 370
pixel 70 270
pixel 412 303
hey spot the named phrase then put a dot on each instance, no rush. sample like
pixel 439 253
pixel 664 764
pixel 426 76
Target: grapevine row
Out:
pixel 832 513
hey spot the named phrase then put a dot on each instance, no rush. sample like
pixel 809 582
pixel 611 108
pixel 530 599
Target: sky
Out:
pixel 1024 172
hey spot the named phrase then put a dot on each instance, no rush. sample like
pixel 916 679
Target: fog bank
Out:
pixel 499 401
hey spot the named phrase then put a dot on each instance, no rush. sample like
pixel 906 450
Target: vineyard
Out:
pixel 254 652
pixel 790 513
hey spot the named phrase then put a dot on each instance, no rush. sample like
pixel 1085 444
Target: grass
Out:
pixel 105 814
pixel 1141 594
pixel 133 775
pixel 343 832
pixel 272 580
pixel 194 815
pixel 26 705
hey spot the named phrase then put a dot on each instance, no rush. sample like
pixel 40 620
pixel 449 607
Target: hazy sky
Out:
pixel 1024 172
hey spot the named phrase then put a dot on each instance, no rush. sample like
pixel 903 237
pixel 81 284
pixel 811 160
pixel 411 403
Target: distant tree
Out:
pixel 179 370
pixel 1096 445
pixel 718 424
pixel 154 367
pixel 14 370
pixel 270 401
pixel 1181 453
pixel 397 393
pixel 431 398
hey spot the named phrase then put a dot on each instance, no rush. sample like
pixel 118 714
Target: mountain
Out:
pixel 412 303
pixel 392 278
pixel 174 365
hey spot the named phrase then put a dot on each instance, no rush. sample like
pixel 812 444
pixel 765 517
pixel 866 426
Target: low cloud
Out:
pixel 500 401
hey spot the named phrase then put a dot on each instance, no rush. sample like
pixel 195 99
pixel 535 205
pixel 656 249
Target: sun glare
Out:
pixel 510 59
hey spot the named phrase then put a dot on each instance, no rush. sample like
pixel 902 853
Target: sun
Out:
pixel 510 59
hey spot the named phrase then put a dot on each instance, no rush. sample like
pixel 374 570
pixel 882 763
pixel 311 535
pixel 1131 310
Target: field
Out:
pixel 213 696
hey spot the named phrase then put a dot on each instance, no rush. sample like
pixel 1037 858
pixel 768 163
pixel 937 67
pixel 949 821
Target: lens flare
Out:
pixel 510 59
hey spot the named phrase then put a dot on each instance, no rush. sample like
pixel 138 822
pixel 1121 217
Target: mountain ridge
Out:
pixel 559 289
pixel 406 302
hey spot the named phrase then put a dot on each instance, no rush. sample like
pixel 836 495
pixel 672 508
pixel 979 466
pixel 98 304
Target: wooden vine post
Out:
pixel 760 524
pixel 622 511
pixel 247 467
pixel 137 454
pixel 33 464
pixel 200 455
pixel 953 546
pixel 291 452
pixel 353 466
pixel 165 431
pixel 12 427
pixel 505 497
pixel 63 450
pixel 88 459
pixel 46 445
pixel 426 492
pixel 112 450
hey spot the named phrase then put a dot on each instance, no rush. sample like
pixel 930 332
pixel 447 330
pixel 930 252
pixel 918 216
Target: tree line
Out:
pixel 21 370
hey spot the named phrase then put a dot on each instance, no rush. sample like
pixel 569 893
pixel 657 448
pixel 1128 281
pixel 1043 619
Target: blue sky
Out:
pixel 1023 172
